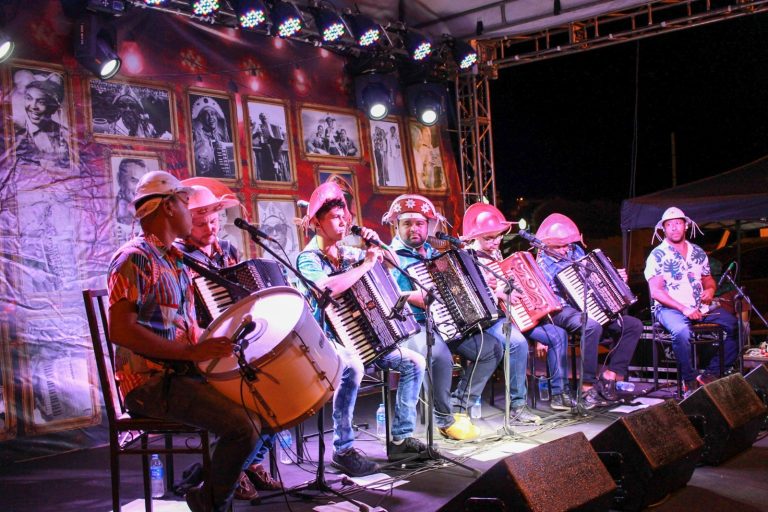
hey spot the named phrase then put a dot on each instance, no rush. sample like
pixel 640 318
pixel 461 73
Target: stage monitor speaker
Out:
pixel 733 414
pixel 758 379
pixel 564 474
pixel 659 450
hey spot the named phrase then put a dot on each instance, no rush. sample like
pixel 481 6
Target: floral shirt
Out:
pixel 682 276
pixel 552 267
pixel 154 279
pixel 407 256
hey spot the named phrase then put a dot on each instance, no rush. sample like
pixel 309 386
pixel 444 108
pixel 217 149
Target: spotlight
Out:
pixel 364 29
pixel 464 55
pixel 425 102
pixel 330 25
pixel 95 47
pixel 250 14
pixel 154 2
pixel 419 46
pixel 6 46
pixel 374 94
pixel 287 18
pixel 205 7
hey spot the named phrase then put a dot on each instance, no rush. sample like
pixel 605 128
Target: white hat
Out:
pixel 206 102
pixel 156 184
pixel 673 212
pixel 203 202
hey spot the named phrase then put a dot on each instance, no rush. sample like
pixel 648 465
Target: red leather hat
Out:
pixel 557 229
pixel 483 219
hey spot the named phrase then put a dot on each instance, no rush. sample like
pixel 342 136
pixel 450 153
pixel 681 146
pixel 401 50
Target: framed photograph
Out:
pixel 126 169
pixel 213 145
pixel 328 134
pixel 235 235
pixel 131 111
pixel 389 156
pixel 270 146
pixel 41 115
pixel 7 395
pixel 345 178
pixel 428 168
pixel 275 215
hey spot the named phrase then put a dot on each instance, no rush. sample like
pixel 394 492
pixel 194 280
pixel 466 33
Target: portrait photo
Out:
pixel 228 231
pixel 275 217
pixel 40 112
pixel 389 156
pixel 131 110
pixel 428 168
pixel 126 169
pixel 270 143
pixel 213 146
pixel 328 134
pixel 7 399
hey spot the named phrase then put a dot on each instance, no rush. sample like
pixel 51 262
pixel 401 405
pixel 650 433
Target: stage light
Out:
pixel 364 29
pixel 464 55
pixel 287 18
pixel 154 2
pixel 250 14
pixel 419 46
pixel 205 7
pixel 425 102
pixel 330 25
pixel 374 94
pixel 6 46
pixel 95 45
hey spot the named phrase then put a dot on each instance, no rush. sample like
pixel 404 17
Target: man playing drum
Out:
pixel 152 320
pixel 329 217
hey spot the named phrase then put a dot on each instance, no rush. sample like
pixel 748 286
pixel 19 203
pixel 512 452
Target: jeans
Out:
pixel 556 341
pixel 192 401
pixel 411 367
pixel 265 443
pixel 440 374
pixel 486 350
pixel 678 326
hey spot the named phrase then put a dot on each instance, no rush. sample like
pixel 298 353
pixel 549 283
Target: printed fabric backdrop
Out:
pixel 74 149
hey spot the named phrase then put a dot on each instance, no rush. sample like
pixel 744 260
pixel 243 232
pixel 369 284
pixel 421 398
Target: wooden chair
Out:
pixel 126 431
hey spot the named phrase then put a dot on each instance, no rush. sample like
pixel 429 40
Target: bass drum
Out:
pixel 294 367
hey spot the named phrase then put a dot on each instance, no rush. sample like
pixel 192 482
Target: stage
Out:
pixel 80 480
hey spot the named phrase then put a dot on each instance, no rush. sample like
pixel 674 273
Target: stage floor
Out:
pixel 80 480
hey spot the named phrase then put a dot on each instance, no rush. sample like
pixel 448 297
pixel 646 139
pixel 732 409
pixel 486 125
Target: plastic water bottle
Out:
pixel 476 411
pixel 286 442
pixel 543 389
pixel 625 386
pixel 381 421
pixel 157 476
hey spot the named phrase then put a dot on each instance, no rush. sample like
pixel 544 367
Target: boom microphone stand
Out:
pixel 741 296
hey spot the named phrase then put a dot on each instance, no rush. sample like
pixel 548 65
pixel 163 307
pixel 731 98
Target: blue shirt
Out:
pixel 552 267
pixel 408 256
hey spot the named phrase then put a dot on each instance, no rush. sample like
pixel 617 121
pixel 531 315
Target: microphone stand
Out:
pixel 739 306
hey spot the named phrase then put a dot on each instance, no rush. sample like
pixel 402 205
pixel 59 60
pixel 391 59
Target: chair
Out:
pixel 121 424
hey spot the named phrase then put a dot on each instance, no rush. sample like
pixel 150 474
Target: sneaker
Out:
pixel 523 416
pixel 408 448
pixel 607 389
pixel 461 429
pixel 261 479
pixel 354 463
pixel 561 402
pixel 198 501
pixel 705 378
pixel 592 398
pixel 689 387
pixel 245 489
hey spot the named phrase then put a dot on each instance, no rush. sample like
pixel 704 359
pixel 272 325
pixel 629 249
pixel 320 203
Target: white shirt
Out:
pixel 682 276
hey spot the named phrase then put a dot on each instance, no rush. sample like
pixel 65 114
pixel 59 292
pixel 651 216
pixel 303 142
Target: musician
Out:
pixel 151 319
pixel 561 236
pixel 204 245
pixel 415 217
pixel 484 226
pixel 328 216
pixel 268 142
pixel 682 288
pixel 209 132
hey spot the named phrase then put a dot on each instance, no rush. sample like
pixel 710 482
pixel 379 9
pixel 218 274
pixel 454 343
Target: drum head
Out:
pixel 275 313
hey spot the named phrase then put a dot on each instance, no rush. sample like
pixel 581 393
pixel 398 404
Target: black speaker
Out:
pixel 733 414
pixel 564 474
pixel 659 450
pixel 758 379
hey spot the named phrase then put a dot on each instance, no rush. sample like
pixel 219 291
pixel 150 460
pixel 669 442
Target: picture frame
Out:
pixel 211 124
pixel 346 179
pixel 426 150
pixel 270 144
pixel 40 100
pixel 126 169
pixel 328 133
pixel 235 235
pixel 274 215
pixel 389 156
pixel 131 111
pixel 7 387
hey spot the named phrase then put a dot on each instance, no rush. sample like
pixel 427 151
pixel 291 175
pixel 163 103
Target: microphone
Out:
pixel 725 274
pixel 527 235
pixel 302 203
pixel 448 238
pixel 357 230
pixel 253 230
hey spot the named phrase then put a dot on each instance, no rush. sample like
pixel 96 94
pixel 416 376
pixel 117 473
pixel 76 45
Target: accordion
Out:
pixel 538 300
pixel 607 294
pixel 211 299
pixel 466 301
pixel 366 320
